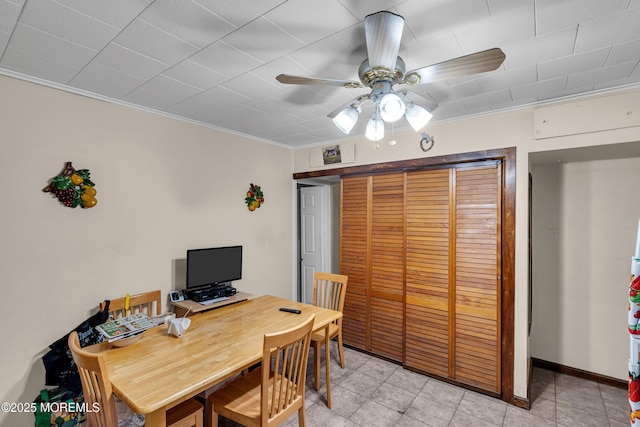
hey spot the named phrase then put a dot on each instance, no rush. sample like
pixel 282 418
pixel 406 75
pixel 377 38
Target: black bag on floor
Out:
pixel 60 370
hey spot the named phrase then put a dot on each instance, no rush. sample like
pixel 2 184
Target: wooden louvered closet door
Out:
pixel 372 256
pixel 453 273
pixel 387 266
pixel 422 252
pixel 477 276
pixel 354 258
pixel 428 293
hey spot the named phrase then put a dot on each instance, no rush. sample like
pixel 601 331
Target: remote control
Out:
pixel 290 310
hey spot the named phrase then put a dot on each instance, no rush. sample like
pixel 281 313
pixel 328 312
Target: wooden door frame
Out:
pixel 508 158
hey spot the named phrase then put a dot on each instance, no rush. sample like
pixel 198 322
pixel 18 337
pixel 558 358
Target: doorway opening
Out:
pixel 318 231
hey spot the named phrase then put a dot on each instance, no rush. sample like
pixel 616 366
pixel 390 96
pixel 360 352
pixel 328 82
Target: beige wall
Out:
pixel 516 129
pixel 163 186
pixel 585 217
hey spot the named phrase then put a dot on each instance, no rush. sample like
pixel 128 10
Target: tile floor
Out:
pixel 372 392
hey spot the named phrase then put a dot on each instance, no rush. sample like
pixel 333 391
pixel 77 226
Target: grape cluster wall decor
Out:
pixel 73 188
pixel 254 198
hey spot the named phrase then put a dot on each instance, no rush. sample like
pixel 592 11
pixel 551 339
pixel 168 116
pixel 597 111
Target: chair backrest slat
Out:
pixel 96 386
pixel 147 302
pixel 329 291
pixel 284 367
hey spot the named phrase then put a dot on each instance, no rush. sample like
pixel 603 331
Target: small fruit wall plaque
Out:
pixel 254 198
pixel 73 188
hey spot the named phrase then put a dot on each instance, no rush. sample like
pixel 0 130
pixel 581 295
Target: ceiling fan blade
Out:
pixel 479 62
pixel 383 32
pixel 296 80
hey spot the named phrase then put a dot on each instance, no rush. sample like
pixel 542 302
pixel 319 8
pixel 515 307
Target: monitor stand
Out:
pixel 212 291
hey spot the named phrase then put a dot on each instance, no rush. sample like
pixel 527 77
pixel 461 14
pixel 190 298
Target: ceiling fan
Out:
pixel 383 69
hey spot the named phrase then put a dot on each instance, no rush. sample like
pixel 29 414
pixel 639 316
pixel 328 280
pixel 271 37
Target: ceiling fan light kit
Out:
pixel 347 118
pixel 383 69
pixel 375 128
pixel 392 108
pixel 417 116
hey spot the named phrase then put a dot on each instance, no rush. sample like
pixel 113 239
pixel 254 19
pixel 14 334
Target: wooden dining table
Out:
pixel 161 371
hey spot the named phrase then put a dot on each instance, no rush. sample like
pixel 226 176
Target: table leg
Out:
pixel 156 418
pixel 327 357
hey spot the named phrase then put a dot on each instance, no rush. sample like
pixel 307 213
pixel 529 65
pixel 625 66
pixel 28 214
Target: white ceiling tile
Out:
pixel 429 19
pixel 538 49
pixel 497 30
pixel 352 39
pixel 239 13
pixel 463 90
pixel 195 74
pixel 311 21
pixel 151 41
pixel 314 57
pixel 225 59
pixel 449 109
pixel 504 79
pixel 432 90
pixel 229 117
pixel 149 99
pixel 539 90
pixel 252 86
pixel 576 63
pixel 488 99
pixel 222 96
pixel 552 15
pixel 101 79
pixel 624 52
pixel 79 29
pixel 264 105
pixel 608 30
pixel 117 13
pixel 593 77
pixel 43 45
pixel 431 51
pixel 129 61
pixel 187 21
pixel 500 7
pixel 295 101
pixel 566 93
pixel 194 108
pixel 263 40
pixel 9 13
pixel 4 40
pixel 38 66
pixel 174 89
pixel 282 65
pixel 509 105
pixel 360 9
pixel 631 81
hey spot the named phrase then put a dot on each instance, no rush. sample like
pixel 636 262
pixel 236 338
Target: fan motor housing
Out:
pixel 368 75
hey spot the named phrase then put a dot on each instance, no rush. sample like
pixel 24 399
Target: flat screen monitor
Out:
pixel 213 266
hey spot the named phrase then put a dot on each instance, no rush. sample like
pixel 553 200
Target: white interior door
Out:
pixel 311 239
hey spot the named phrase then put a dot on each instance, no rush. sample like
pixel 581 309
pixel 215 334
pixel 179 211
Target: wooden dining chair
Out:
pixel 329 291
pixel 270 394
pixel 96 388
pixel 140 303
